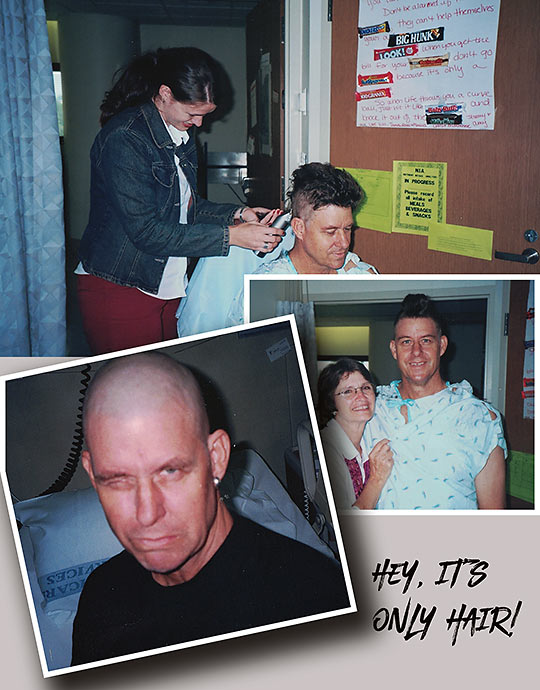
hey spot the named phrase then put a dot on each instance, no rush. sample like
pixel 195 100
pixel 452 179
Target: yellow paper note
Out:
pixel 457 239
pixel 520 475
pixel 376 211
pixel 419 196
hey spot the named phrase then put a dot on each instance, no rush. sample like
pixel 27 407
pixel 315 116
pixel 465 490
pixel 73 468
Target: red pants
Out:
pixel 116 317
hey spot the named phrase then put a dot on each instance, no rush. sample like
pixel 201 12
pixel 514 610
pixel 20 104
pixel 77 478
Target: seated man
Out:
pixel 322 199
pixel 190 570
pixel 449 447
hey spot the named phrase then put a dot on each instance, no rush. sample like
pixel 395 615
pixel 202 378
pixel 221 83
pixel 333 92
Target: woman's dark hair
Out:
pixel 329 378
pixel 188 72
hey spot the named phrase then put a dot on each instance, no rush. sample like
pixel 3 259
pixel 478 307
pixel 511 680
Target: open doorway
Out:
pixel 465 326
pixel 474 309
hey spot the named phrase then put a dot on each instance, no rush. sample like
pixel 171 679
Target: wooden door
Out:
pixel 493 176
pixel 264 53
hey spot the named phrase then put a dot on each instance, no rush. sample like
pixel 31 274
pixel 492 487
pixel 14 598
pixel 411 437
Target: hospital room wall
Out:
pixel 264 403
pixel 264 399
pixel 111 42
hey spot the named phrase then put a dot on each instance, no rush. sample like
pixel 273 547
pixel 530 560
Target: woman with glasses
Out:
pixel 346 403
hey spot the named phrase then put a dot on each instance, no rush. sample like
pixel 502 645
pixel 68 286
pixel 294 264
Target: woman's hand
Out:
pixel 381 461
pixel 271 216
pixel 255 235
pixel 249 215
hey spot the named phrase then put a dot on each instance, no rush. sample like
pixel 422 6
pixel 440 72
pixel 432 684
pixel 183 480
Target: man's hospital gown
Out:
pixel 439 451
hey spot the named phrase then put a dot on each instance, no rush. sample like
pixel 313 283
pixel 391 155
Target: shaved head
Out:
pixel 154 464
pixel 139 383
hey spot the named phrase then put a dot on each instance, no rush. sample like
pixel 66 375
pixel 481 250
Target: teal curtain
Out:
pixel 32 272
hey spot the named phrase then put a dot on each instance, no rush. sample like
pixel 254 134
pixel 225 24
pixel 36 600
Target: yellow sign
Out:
pixel 457 239
pixel 419 196
pixel 520 475
pixel 375 212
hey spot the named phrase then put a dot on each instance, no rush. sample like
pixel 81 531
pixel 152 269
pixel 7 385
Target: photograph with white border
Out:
pixel 203 456
pixel 446 426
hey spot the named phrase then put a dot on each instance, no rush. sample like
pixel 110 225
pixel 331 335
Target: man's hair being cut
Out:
pixel 316 185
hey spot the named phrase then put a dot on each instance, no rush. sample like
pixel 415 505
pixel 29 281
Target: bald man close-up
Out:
pixel 190 569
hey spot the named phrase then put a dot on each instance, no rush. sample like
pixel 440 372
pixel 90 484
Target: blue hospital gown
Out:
pixel 353 264
pixel 439 451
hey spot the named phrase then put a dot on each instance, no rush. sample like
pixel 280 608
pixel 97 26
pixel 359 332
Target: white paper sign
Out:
pixel 426 64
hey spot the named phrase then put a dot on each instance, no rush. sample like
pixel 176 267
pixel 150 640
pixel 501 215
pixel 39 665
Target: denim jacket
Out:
pixel 135 203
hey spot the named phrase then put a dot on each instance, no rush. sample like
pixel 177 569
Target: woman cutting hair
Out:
pixel 145 214
pixel 346 404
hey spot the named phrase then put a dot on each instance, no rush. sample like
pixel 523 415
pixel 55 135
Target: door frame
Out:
pixel 308 67
pixel 390 289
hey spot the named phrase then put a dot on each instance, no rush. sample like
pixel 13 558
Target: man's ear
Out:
pixel 86 460
pixel 299 227
pixel 219 447
pixel 443 345
pixel 393 348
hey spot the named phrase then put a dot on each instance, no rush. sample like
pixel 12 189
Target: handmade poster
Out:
pixel 426 64
pixel 419 196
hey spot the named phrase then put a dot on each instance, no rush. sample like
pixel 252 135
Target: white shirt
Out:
pixel 337 446
pixel 174 280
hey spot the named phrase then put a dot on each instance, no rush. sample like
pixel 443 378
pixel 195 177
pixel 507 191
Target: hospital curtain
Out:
pixel 304 313
pixel 32 273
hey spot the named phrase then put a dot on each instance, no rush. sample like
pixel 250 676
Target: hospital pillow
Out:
pixel 251 489
pixel 64 537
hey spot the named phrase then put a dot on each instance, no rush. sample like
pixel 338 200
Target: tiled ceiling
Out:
pixel 181 12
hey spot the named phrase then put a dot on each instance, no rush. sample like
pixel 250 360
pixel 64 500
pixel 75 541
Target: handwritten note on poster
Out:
pixel 426 64
pixel 419 196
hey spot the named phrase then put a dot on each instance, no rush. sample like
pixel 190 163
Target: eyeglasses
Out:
pixel 348 393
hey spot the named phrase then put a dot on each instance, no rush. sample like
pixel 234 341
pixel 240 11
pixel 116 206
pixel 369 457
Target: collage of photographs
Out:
pixel 268 350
